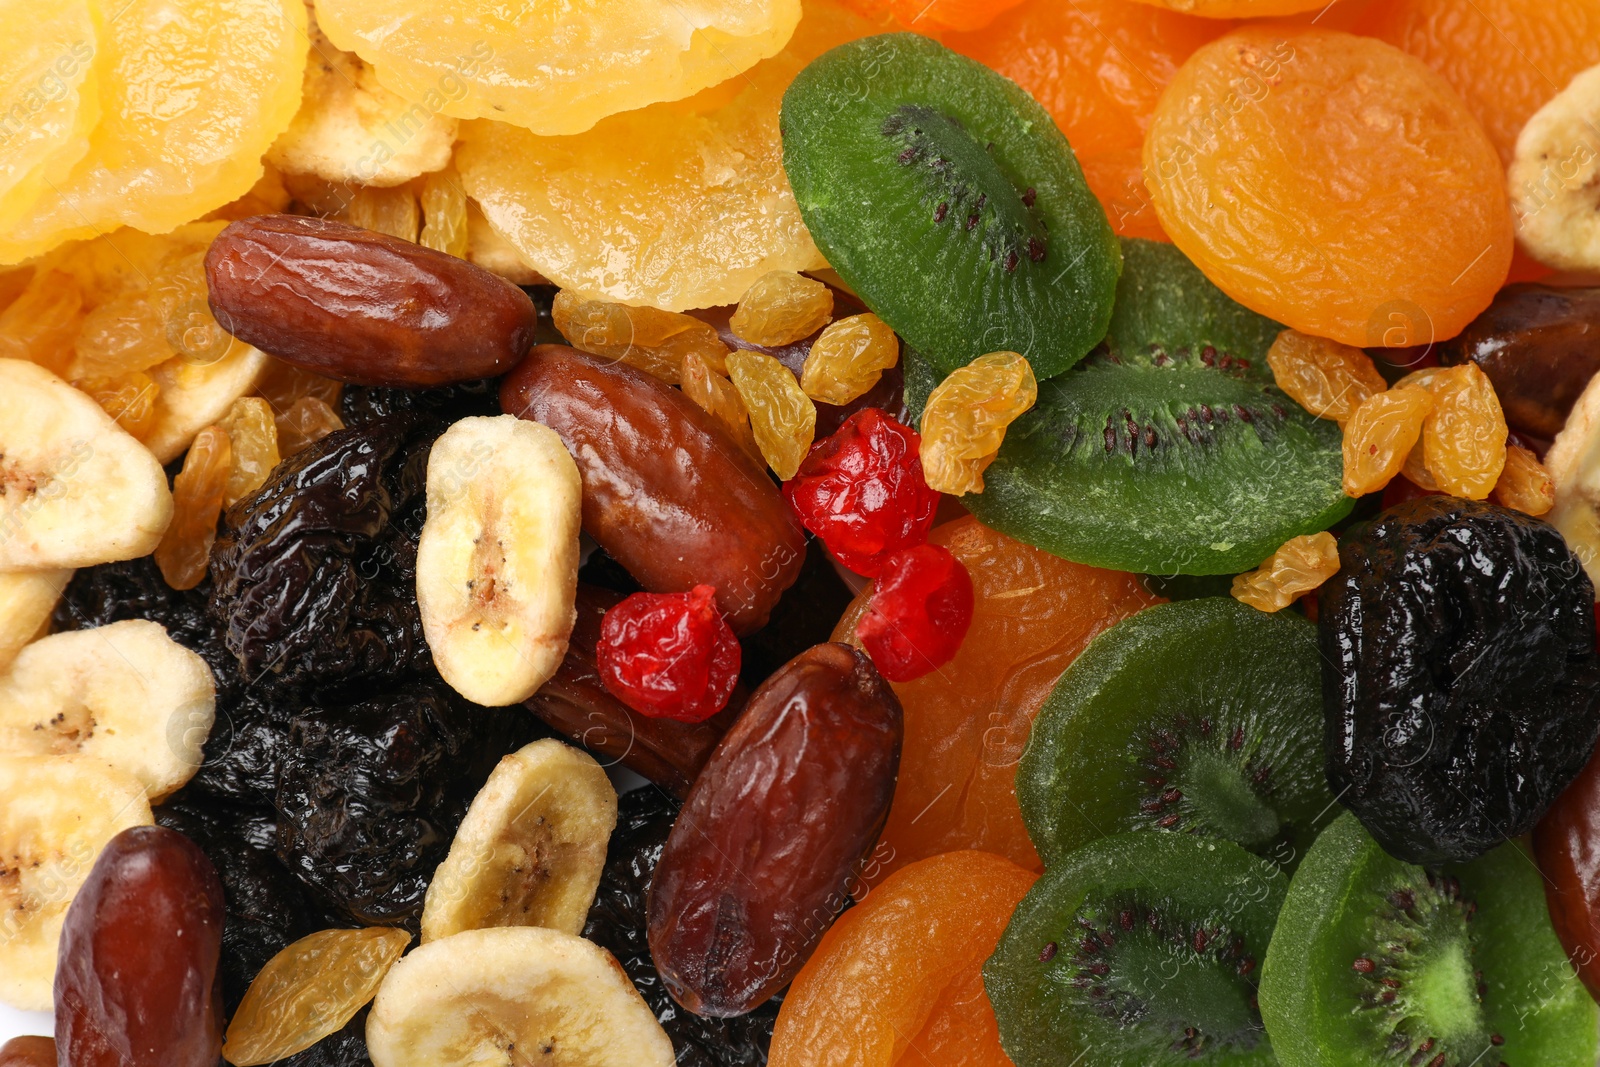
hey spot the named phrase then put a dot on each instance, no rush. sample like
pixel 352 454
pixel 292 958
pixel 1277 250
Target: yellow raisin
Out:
pixel 1299 566
pixel 444 213
pixel 1524 483
pixel 781 308
pixel 181 299
pixel 253 438
pixel 12 281
pixel 281 384
pixel 1464 440
pixel 123 335
pixel 43 322
pixel 1378 436
pixel 307 421
pixel 650 339
pixel 310 990
pixel 1416 469
pixel 782 417
pixel 130 399
pixel 848 359
pixel 966 417
pixel 185 549
pixel 717 396
pixel 1325 377
pixel 391 211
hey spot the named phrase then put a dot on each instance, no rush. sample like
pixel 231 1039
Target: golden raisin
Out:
pixel 253 438
pixel 310 990
pixel 781 308
pixel 1464 440
pixel 1378 436
pixel 966 419
pixel 281 384
pixel 42 324
pixel 1299 566
pixel 121 336
pixel 185 549
pixel 1524 483
pixel 391 211
pixel 652 340
pixel 307 421
pixel 782 417
pixel 183 302
pixel 1416 469
pixel 444 213
pixel 1325 377
pixel 717 396
pixel 848 359
pixel 130 399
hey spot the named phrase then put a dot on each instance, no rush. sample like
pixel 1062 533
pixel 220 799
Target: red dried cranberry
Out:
pixel 861 491
pixel 920 610
pixel 669 655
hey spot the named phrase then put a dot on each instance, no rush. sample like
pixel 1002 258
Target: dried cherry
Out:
pixel 669 655
pixel 759 862
pixel 1460 676
pixel 137 981
pixel 919 614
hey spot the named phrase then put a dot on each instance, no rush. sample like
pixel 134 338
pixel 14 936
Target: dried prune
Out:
pixel 370 793
pixel 360 405
pixel 136 984
pixel 617 923
pixel 314 575
pixel 760 861
pixel 1460 677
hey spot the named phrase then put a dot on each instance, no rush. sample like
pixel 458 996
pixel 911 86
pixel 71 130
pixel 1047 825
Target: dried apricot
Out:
pixel 1524 483
pixel 185 549
pixel 849 359
pixel 1380 434
pixel 782 417
pixel 782 307
pixel 1291 167
pixel 1240 9
pixel 654 341
pixel 1301 565
pixel 874 994
pixel 1464 440
pixel 934 16
pixel 966 417
pixel 1098 67
pixel 967 724
pixel 1328 379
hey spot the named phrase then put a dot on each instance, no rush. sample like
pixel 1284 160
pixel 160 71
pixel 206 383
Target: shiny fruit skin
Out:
pixel 766 849
pixel 1331 152
pixel 137 985
pixel 664 491
pixel 669 655
pixel 1566 844
pixel 920 611
pixel 28 1052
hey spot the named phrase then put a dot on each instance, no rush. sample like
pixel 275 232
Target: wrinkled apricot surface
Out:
pixel 1333 183
pixel 966 723
pixel 1239 9
pixel 898 979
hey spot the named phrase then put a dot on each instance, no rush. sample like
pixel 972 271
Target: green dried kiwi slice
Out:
pixel 1375 960
pixel 1199 717
pixel 1168 450
pixel 947 198
pixel 1138 950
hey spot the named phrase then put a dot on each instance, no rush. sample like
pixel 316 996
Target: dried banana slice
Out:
pixel 472 998
pixel 27 599
pixel 1573 463
pixel 125 693
pixel 530 851
pixel 1553 174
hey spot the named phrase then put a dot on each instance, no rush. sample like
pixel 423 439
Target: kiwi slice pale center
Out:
pixel 1225 801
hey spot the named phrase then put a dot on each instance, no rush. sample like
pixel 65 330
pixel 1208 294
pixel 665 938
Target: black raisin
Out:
pixel 1460 678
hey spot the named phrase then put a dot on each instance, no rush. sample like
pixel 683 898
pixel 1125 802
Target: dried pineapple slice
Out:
pixel 556 68
pixel 49 100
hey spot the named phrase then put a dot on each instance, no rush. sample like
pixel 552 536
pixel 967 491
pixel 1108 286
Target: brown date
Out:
pixel 577 704
pixel 136 978
pixel 28 1052
pixel 1539 345
pixel 364 307
pixel 761 858
pixel 665 492
pixel 1566 844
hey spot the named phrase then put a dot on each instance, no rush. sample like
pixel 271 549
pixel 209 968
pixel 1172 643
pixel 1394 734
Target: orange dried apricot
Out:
pixel 1300 566
pixel 965 420
pixel 1380 434
pixel 1239 9
pixel 1328 379
pixel 1524 483
pixel 967 723
pixel 1331 182
pixel 1098 67
pixel 782 417
pixel 892 971
pixel 782 307
pixel 1464 439
pixel 185 549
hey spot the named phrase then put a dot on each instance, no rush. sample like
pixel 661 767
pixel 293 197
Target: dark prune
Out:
pixel 370 793
pixel 617 923
pixel 314 575
pixel 806 615
pixel 1460 679
pixel 362 405
pixel 136 985
pixel 758 864
pixel 246 743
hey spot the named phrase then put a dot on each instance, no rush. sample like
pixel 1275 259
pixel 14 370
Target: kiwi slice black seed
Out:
pixel 1140 950
pixel 1203 716
pixel 1168 450
pixel 946 196
pixel 1379 961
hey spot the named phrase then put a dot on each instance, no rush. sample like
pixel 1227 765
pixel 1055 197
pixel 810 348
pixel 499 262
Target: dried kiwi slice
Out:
pixel 1139 950
pixel 1375 960
pixel 946 196
pixel 1169 450
pixel 1203 716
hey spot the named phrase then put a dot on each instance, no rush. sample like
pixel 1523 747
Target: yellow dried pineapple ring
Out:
pixel 555 68
pixel 48 97
pixel 676 206
pixel 192 93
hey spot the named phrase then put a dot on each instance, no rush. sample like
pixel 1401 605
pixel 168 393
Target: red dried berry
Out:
pixel 669 655
pixel 862 491
pixel 920 610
